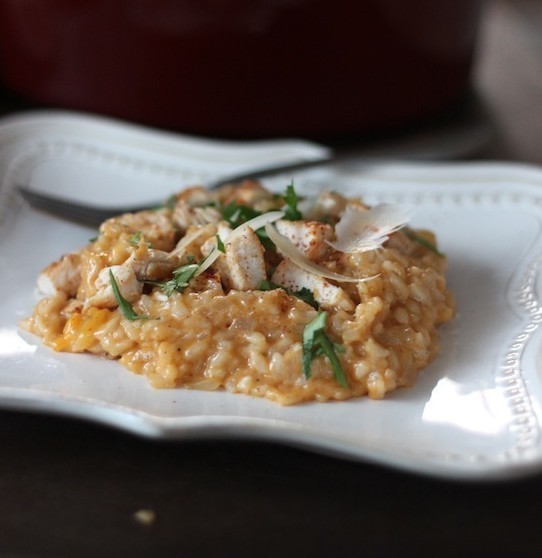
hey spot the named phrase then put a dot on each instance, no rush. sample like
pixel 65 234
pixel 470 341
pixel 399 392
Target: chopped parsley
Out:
pixel 125 307
pixel 220 244
pixel 317 343
pixel 135 239
pixel 291 213
pixel 236 214
pixel 185 273
pixel 423 241
pixel 180 280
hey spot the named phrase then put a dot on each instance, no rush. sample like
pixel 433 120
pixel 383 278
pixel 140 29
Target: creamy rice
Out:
pixel 210 335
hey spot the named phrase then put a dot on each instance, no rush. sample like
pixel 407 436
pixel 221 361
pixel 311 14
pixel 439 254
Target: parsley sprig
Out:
pixel 290 197
pixel 317 343
pixel 135 239
pixel 413 235
pixel 180 280
pixel 181 276
pixel 125 307
pixel 220 244
pixel 236 214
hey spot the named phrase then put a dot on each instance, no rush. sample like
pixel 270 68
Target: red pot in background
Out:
pixel 242 68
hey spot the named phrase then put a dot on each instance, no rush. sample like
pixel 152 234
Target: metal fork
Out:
pixel 93 216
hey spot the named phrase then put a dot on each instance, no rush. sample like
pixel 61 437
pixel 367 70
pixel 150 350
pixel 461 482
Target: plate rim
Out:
pixel 143 423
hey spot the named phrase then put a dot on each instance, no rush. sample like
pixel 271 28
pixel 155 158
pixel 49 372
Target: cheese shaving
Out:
pixel 289 250
pixel 256 223
pixel 187 240
pixel 361 230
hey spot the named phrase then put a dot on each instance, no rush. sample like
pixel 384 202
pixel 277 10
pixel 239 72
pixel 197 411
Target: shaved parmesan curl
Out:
pixel 361 230
pixel 288 250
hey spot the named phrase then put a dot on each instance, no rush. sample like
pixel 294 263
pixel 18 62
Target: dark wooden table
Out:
pixel 71 488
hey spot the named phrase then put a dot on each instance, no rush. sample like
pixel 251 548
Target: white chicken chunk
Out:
pixel 223 230
pixel 245 261
pixel 242 267
pixel 193 208
pixel 186 216
pixel 129 287
pixel 195 196
pixel 292 277
pixel 63 276
pixel 309 237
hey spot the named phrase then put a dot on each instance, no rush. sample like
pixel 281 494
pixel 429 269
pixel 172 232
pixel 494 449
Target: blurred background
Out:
pixel 465 73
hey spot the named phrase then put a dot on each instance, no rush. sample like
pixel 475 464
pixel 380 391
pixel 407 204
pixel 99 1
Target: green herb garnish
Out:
pixel 220 244
pixel 423 241
pixel 303 294
pixel 180 280
pixel 316 343
pixel 265 240
pixel 306 295
pixel 291 213
pixel 125 307
pixel 236 214
pixel 135 239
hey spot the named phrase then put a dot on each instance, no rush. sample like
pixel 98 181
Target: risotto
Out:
pixel 256 293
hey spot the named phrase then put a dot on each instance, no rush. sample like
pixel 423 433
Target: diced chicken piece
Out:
pixel 242 267
pixel 193 208
pixel 326 294
pixel 223 231
pixel 309 237
pixel 220 264
pixel 195 196
pixel 63 276
pixel 186 215
pixel 129 287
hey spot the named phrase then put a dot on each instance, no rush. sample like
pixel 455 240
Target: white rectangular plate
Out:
pixel 475 412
